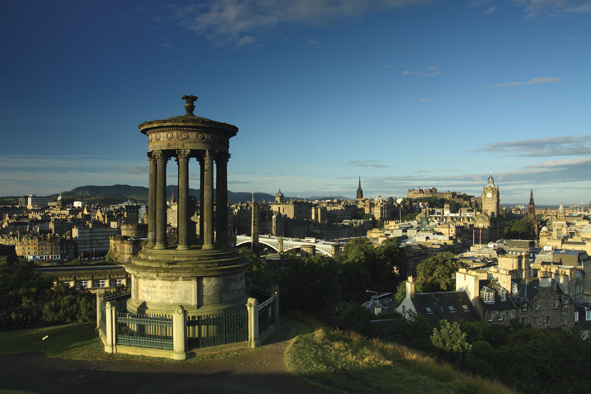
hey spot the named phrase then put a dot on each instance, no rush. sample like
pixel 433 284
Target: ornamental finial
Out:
pixel 189 104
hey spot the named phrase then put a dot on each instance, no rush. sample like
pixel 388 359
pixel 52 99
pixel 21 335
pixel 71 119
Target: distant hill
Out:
pixel 117 194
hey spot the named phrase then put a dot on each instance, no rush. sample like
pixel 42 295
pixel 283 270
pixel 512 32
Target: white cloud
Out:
pixel 237 21
pixel 432 72
pixel 426 101
pixel 365 163
pixel 533 81
pixel 564 145
pixel 490 10
pixel 554 8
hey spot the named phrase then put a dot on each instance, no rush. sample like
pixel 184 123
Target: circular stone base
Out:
pixel 202 281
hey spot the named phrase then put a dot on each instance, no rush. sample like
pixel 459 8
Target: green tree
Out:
pixel 437 273
pixel 310 284
pixel 450 342
pixel 369 267
pixel 258 271
pixel 520 229
pixel 409 217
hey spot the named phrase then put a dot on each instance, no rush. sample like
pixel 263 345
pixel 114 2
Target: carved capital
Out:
pixel 182 155
pixel 222 157
pixel 160 156
pixel 209 156
pixel 151 157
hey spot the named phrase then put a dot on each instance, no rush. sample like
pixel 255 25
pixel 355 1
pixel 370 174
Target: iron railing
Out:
pixel 103 317
pixel 217 329
pixel 266 314
pixel 152 331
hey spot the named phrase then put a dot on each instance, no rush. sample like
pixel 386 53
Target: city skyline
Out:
pixel 400 93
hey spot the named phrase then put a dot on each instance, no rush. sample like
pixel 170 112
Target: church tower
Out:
pixel 531 210
pixel 531 213
pixel 279 197
pixel 359 190
pixel 490 198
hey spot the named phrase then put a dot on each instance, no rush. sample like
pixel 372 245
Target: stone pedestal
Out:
pixel 202 281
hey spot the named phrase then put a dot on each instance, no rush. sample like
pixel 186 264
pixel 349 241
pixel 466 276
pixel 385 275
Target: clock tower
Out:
pixel 490 198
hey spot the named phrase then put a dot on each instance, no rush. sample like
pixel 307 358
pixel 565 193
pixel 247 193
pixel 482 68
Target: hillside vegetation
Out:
pixel 348 362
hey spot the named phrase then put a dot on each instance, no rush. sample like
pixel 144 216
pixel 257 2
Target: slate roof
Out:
pixel 448 305
pixel 498 305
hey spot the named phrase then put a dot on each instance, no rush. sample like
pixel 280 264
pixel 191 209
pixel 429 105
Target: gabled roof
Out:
pixel 448 305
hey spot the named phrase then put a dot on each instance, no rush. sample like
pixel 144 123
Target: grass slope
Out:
pixel 348 362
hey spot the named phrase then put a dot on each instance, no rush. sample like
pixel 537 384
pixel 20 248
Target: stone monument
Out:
pixel 203 276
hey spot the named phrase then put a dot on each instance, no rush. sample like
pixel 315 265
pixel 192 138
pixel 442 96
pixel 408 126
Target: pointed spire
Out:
pixel 359 190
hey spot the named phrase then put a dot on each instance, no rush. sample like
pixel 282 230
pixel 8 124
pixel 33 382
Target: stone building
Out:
pixel 35 247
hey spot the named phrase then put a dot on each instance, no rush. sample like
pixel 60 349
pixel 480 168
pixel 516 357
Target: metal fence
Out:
pixel 267 314
pixel 120 299
pixel 103 317
pixel 152 331
pixel 217 329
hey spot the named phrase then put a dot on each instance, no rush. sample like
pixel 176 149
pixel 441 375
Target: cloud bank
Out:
pixel 237 21
pixel 533 81
pixel 553 146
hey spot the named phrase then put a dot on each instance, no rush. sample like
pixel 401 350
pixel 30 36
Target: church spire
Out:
pixel 359 190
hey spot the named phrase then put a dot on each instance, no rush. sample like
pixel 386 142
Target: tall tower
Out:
pixel 205 275
pixel 490 198
pixel 531 212
pixel 279 197
pixel 359 190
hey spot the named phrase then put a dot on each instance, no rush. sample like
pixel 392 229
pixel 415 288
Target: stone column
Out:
pixel 252 305
pixel 207 208
pixel 201 194
pixel 182 158
pixel 221 217
pixel 162 159
pixel 179 328
pixel 152 202
pixel 110 340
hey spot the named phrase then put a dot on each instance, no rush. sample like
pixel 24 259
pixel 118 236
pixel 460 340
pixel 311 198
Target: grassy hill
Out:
pixel 117 194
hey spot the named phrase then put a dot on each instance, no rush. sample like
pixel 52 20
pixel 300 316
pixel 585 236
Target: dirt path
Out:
pixel 258 371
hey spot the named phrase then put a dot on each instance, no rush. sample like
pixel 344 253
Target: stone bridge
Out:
pixel 280 244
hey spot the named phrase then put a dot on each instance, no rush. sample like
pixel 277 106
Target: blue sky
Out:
pixel 400 93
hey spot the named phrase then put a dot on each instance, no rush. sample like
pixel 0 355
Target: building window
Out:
pixel 102 283
pixel 503 295
pixel 548 320
pixel 536 321
pixel 118 282
pixel 84 284
pixel 576 315
pixel 524 320
pixel 536 305
pixel 555 304
pixel 588 314
pixel 490 316
pixel 489 297
pixel 562 319
pixel 429 311
pixel 451 308
pixel 501 316
pixel 512 314
pixel 403 309
pixel 524 307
